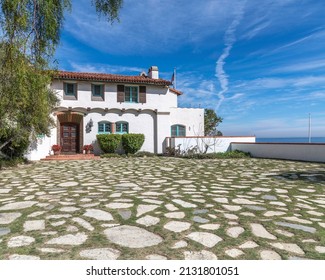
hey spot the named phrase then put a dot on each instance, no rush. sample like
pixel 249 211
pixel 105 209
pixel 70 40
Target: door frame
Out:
pixel 71 117
pixel 77 136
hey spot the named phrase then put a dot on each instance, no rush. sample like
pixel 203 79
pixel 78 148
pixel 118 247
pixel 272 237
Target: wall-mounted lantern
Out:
pixel 89 125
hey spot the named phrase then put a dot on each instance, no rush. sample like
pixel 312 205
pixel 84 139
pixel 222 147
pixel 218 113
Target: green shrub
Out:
pixel 18 144
pixel 143 154
pixel 225 155
pixel 237 154
pixel 110 156
pixel 109 143
pixel 4 163
pixel 132 142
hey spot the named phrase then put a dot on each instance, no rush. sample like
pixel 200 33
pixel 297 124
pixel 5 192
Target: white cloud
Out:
pixel 149 26
pixel 255 30
pixel 316 35
pixel 229 40
pixel 111 69
pixel 302 66
pixel 281 83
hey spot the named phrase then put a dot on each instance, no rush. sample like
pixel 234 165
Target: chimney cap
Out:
pixel 153 72
pixel 153 68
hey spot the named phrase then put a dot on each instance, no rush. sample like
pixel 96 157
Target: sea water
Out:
pixel 290 140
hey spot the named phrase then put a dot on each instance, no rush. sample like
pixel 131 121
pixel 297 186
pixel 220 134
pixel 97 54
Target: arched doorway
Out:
pixel 70 132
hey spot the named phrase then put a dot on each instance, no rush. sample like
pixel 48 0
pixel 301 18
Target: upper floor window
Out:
pixel 97 92
pixel 104 128
pixel 70 91
pixel 122 127
pixel 178 130
pixel 131 94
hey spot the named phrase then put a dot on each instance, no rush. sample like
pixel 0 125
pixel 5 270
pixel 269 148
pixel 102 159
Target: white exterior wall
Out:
pixel 42 147
pixel 138 123
pixel 289 151
pixel 158 97
pixel 216 144
pixel 192 118
pixel 163 129
pixel 153 118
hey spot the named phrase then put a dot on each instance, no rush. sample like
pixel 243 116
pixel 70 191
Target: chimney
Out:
pixel 153 72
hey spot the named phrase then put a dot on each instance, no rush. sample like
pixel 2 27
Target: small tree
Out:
pixel 211 121
pixel 29 35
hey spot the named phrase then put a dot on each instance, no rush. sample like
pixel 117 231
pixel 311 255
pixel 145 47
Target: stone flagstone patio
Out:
pixel 163 208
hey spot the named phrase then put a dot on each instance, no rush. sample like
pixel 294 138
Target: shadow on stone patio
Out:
pixel 312 177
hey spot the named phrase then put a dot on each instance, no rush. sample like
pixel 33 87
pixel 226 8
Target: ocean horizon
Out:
pixel 290 139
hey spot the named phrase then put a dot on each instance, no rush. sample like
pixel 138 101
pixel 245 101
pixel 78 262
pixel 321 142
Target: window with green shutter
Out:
pixel 131 94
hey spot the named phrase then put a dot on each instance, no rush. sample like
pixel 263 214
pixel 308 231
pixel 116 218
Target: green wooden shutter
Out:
pixel 142 94
pixel 120 93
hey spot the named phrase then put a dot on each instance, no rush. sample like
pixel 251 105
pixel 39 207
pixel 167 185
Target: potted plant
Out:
pixel 88 148
pixel 56 149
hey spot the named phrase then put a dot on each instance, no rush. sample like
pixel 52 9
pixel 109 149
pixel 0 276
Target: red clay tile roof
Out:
pixel 100 77
pixel 176 91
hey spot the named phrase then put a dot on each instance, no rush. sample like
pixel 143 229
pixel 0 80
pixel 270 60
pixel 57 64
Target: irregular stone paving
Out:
pixel 163 208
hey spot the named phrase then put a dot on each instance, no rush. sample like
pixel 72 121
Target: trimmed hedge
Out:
pixel 132 142
pixel 109 143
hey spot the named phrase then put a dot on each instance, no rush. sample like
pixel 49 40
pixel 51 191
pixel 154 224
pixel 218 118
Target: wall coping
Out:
pixel 212 137
pixel 279 143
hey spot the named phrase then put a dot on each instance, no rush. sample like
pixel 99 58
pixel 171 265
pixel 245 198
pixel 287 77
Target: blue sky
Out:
pixel 259 63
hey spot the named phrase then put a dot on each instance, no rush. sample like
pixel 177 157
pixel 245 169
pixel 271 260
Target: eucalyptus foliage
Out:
pixel 108 8
pixel 29 35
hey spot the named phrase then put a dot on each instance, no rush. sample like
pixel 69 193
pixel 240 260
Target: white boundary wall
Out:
pixel 290 151
pixel 215 144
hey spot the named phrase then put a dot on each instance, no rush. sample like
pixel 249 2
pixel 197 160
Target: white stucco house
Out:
pixel 95 103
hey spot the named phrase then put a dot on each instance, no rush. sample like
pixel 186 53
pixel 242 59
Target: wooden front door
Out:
pixel 69 138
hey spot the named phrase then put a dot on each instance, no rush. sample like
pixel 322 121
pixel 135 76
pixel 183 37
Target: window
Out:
pixel 131 94
pixel 70 91
pixel 104 128
pixel 178 130
pixel 97 92
pixel 122 127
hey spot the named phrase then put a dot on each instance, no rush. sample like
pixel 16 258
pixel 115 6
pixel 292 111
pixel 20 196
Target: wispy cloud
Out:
pixel 316 35
pixel 302 66
pixel 99 68
pixel 229 40
pixel 149 26
pixel 281 83
pixel 256 29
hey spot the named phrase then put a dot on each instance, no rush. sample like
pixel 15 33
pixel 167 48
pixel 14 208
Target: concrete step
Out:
pixel 72 157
